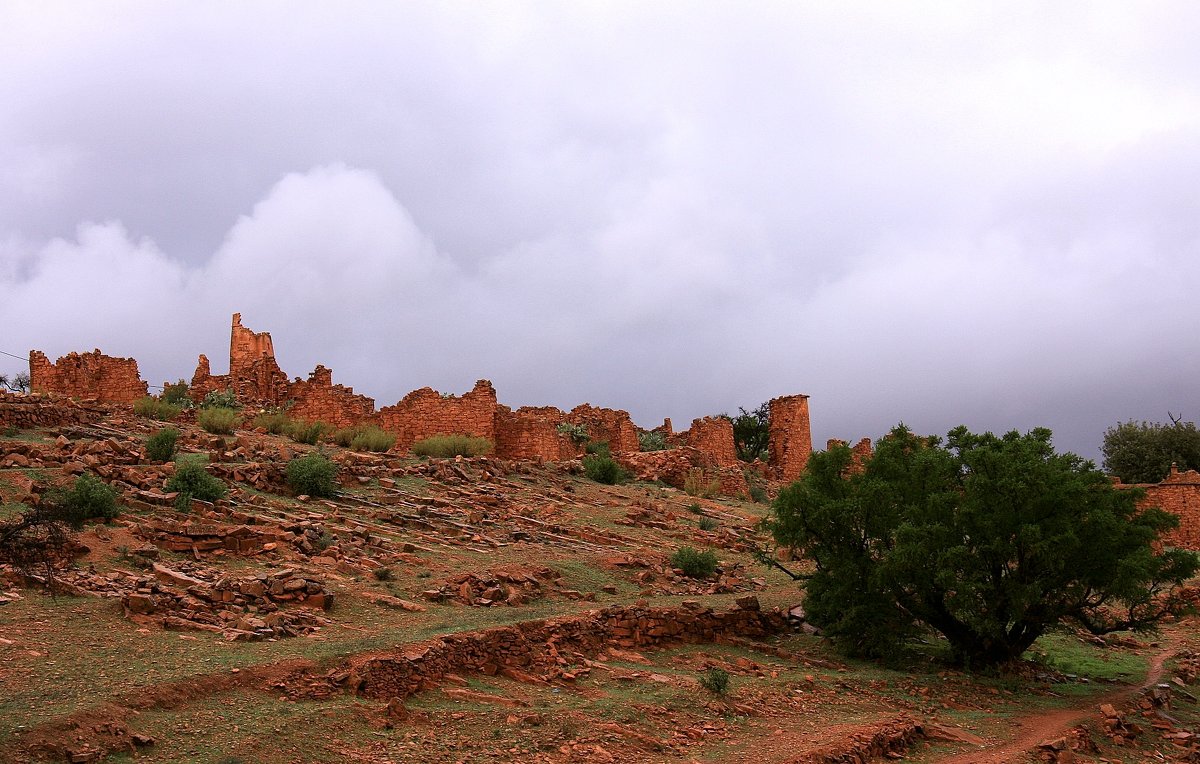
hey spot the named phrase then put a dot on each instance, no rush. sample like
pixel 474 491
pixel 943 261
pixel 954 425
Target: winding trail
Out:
pixel 1029 730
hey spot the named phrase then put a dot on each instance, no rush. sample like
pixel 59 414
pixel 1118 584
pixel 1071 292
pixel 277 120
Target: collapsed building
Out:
pixel 530 433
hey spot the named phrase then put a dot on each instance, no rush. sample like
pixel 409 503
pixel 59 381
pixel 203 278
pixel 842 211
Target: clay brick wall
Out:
pixel 529 433
pixel 88 376
pixel 713 436
pixel 246 347
pixel 789 436
pixel 540 643
pixel 610 425
pixel 27 412
pixel 424 413
pixel 203 382
pixel 254 376
pixel 319 400
pixel 1179 494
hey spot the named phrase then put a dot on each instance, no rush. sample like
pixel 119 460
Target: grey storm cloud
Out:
pixel 966 213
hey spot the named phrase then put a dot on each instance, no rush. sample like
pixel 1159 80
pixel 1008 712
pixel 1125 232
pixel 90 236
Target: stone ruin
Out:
pixel 527 433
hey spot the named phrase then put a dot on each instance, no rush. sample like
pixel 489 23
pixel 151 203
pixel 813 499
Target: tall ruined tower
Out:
pixel 247 347
pixel 789 436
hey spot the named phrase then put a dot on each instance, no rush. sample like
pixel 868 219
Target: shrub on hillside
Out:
pixel 306 432
pixel 177 394
pixel 89 497
pixel 445 446
pixel 219 399
pixel 649 440
pixel 578 433
pixel 604 469
pixel 192 481
pixel 696 483
pixel 715 680
pixel 372 438
pixel 274 422
pixel 219 421
pixel 156 408
pixel 312 475
pixel 600 448
pixel 693 563
pixel 160 446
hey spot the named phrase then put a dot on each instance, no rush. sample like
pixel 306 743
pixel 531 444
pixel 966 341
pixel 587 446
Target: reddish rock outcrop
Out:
pixel 88 376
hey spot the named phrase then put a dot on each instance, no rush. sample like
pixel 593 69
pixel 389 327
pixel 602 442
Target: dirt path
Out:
pixel 1032 729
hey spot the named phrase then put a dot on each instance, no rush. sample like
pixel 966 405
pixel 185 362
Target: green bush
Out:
pixel 600 448
pixel 576 432
pixel 758 494
pixel 345 436
pixel 372 438
pixel 444 446
pixel 155 408
pixel 177 394
pixel 193 481
pixel 695 508
pixel 160 446
pixel 219 399
pixel 651 441
pixel 306 432
pixel 313 475
pixel 693 563
pixel 219 421
pixel 89 497
pixel 696 483
pixel 274 422
pixel 604 469
pixel 707 524
pixel 715 680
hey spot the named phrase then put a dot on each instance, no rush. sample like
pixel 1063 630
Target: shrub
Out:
pixel 693 563
pixel 696 483
pixel 156 408
pixel 89 497
pixel 599 448
pixel 274 422
pixel 651 441
pixel 715 680
pixel 604 469
pixel 344 436
pixel 758 494
pixel 382 574
pixel 193 481
pixel 219 399
pixel 707 524
pixel 306 432
pixel 219 421
pixel 694 508
pixel 452 445
pixel 372 438
pixel 177 394
pixel 160 446
pixel 313 475
pixel 578 433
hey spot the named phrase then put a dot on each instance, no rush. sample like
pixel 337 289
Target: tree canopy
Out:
pixel 1143 452
pixel 751 432
pixel 987 540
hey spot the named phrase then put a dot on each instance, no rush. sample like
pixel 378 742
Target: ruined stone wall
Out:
pixel 424 413
pixel 1178 494
pixel 530 433
pixel 254 376
pixel 540 643
pixel 609 425
pixel 246 347
pixel 789 436
pixel 860 453
pixel 319 400
pixel 713 436
pixel 88 376
pixel 27 412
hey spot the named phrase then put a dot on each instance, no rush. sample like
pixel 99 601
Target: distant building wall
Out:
pixel 88 376
pixel 789 436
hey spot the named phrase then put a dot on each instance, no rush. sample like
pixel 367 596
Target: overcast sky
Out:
pixel 942 213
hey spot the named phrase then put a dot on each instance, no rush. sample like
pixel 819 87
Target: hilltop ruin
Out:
pixel 526 433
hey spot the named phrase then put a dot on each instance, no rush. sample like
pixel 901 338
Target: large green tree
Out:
pixel 751 433
pixel 1144 452
pixel 987 540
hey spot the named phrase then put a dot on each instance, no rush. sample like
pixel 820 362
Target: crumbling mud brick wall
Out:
pixel 424 413
pixel 531 433
pixel 203 381
pixel 713 436
pixel 541 644
pixel 247 347
pixel 612 426
pixel 789 436
pixel 1178 494
pixel 319 400
pixel 88 376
